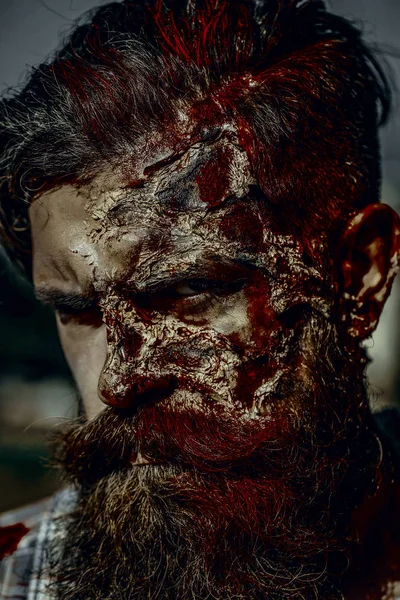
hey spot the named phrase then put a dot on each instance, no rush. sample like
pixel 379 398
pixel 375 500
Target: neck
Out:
pixel 376 531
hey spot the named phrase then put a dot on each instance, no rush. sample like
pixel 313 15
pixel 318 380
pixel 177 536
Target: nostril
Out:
pixel 136 391
pixel 161 385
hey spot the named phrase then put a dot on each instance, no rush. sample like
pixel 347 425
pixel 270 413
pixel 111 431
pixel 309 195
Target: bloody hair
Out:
pixel 305 91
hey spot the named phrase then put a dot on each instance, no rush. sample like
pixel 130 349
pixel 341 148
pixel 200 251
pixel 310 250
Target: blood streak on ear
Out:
pixel 369 258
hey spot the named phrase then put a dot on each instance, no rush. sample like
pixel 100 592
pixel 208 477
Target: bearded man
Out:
pixel 196 185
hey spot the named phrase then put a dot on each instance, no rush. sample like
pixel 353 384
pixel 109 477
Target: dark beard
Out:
pixel 235 509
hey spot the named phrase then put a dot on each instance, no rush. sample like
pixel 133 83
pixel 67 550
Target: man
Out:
pixel 196 184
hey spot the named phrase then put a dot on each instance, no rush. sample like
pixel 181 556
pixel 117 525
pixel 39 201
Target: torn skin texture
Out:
pixel 157 241
pixel 234 411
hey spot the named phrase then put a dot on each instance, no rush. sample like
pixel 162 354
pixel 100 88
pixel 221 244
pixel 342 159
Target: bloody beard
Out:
pixel 232 505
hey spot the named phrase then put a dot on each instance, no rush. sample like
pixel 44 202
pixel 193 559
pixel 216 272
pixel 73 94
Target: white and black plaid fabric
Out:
pixel 23 573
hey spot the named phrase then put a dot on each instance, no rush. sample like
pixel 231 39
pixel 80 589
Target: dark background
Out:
pixel 36 391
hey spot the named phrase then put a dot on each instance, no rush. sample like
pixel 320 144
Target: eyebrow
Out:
pixel 75 302
pixel 209 269
pixel 64 300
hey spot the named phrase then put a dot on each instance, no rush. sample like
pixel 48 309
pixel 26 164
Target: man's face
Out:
pixel 182 305
pixel 172 281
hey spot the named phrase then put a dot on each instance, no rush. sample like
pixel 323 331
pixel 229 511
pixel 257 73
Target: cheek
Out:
pixel 266 347
pixel 85 349
pixel 260 326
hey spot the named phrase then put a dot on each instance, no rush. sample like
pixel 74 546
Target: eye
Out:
pixel 188 294
pixel 193 287
pixel 196 287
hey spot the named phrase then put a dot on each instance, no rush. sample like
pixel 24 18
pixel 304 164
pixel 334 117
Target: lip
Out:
pixel 140 461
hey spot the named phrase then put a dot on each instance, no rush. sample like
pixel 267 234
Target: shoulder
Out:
pixel 25 533
pixel 19 531
pixel 18 524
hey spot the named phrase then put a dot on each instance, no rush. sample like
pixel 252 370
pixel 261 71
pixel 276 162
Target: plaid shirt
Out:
pixel 23 572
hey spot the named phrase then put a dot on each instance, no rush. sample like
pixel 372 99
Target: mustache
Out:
pixel 211 440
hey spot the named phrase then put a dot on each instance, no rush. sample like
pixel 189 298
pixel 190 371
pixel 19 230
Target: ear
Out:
pixel 369 262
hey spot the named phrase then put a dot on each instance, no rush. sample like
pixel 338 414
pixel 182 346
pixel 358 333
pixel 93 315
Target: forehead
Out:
pixel 171 198
pixel 172 176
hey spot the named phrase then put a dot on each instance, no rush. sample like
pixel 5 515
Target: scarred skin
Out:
pixel 193 293
pixel 137 248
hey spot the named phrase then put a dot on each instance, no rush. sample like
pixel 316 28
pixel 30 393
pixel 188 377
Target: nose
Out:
pixel 127 379
pixel 136 392
pixel 120 387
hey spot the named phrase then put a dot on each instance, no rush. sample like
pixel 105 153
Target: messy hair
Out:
pixel 299 79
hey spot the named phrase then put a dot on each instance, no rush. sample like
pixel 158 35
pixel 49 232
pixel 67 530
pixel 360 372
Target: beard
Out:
pixel 230 507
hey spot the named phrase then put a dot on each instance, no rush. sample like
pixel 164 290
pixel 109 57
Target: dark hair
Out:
pixel 300 80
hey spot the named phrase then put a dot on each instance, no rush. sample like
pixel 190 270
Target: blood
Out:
pixel 267 341
pixel 214 178
pixel 250 237
pixel 10 537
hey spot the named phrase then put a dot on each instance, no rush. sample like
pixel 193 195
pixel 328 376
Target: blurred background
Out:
pixel 36 390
